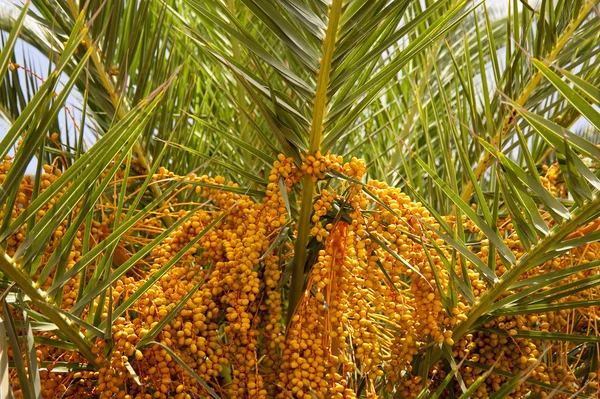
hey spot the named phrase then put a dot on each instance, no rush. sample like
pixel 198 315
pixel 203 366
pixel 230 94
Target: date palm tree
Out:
pixel 460 104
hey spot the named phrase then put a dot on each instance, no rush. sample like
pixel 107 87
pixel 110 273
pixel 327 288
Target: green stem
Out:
pixel 10 269
pixel 486 160
pixel 321 103
pixel 524 263
pixel 121 106
pixel 320 108
pixel 300 255
pixel 241 92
